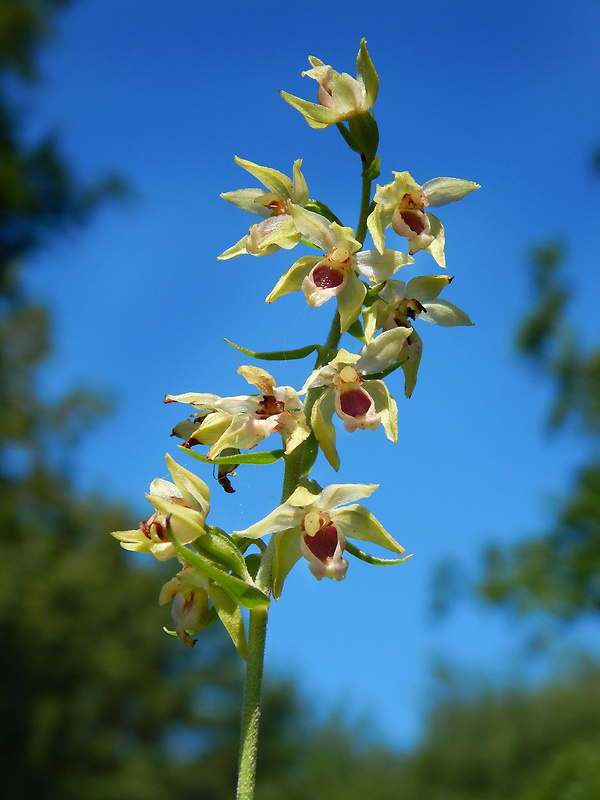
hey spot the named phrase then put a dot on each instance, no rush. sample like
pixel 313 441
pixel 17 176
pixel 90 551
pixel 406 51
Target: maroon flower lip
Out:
pixel 355 402
pixel 323 544
pixel 326 277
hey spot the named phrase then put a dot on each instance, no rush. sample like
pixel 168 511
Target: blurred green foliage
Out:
pixel 95 700
pixel 39 195
pixel 482 744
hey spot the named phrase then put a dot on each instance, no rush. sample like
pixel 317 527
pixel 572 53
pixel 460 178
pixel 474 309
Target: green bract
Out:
pixel 402 204
pixel 312 524
pixel 340 96
pixel 277 229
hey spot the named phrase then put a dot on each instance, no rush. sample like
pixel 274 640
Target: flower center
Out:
pixel 312 522
pixel 411 211
pixel 347 378
pixel 340 257
pixel 409 307
pixel 277 205
pixel 155 527
pixel 413 200
pixel 269 406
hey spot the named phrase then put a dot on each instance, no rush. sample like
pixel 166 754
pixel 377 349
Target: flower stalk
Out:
pixel 257 633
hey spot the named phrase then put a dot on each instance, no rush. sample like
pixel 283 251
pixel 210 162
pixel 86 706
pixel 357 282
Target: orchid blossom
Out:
pixel 336 273
pixel 402 203
pixel 340 96
pixel 277 230
pixel 244 421
pixel 180 508
pixel 315 525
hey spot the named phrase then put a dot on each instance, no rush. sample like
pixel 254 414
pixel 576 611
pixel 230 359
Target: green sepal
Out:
pixel 311 451
pixel 186 428
pixel 241 542
pixel 356 330
pixel 320 208
pixel 219 545
pixel 239 591
pixel 287 553
pixel 322 414
pixel 263 457
pixel 365 133
pixel 379 562
pixel 373 171
pixel 378 376
pixel 372 295
pixel 278 355
pixel 347 136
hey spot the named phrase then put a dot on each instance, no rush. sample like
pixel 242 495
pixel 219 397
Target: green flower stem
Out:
pixel 329 350
pixel 257 633
pixel 293 471
pixel 365 202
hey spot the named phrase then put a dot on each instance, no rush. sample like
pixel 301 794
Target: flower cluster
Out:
pixel 222 573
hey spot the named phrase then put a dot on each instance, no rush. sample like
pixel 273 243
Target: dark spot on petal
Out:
pixel 326 277
pixel 355 403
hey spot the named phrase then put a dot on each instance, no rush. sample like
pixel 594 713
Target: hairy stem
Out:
pixel 257 632
pixel 365 202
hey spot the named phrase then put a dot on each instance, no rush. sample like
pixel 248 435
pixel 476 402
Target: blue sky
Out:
pixel 166 93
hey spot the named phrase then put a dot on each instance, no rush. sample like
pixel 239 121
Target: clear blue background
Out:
pixel 166 92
